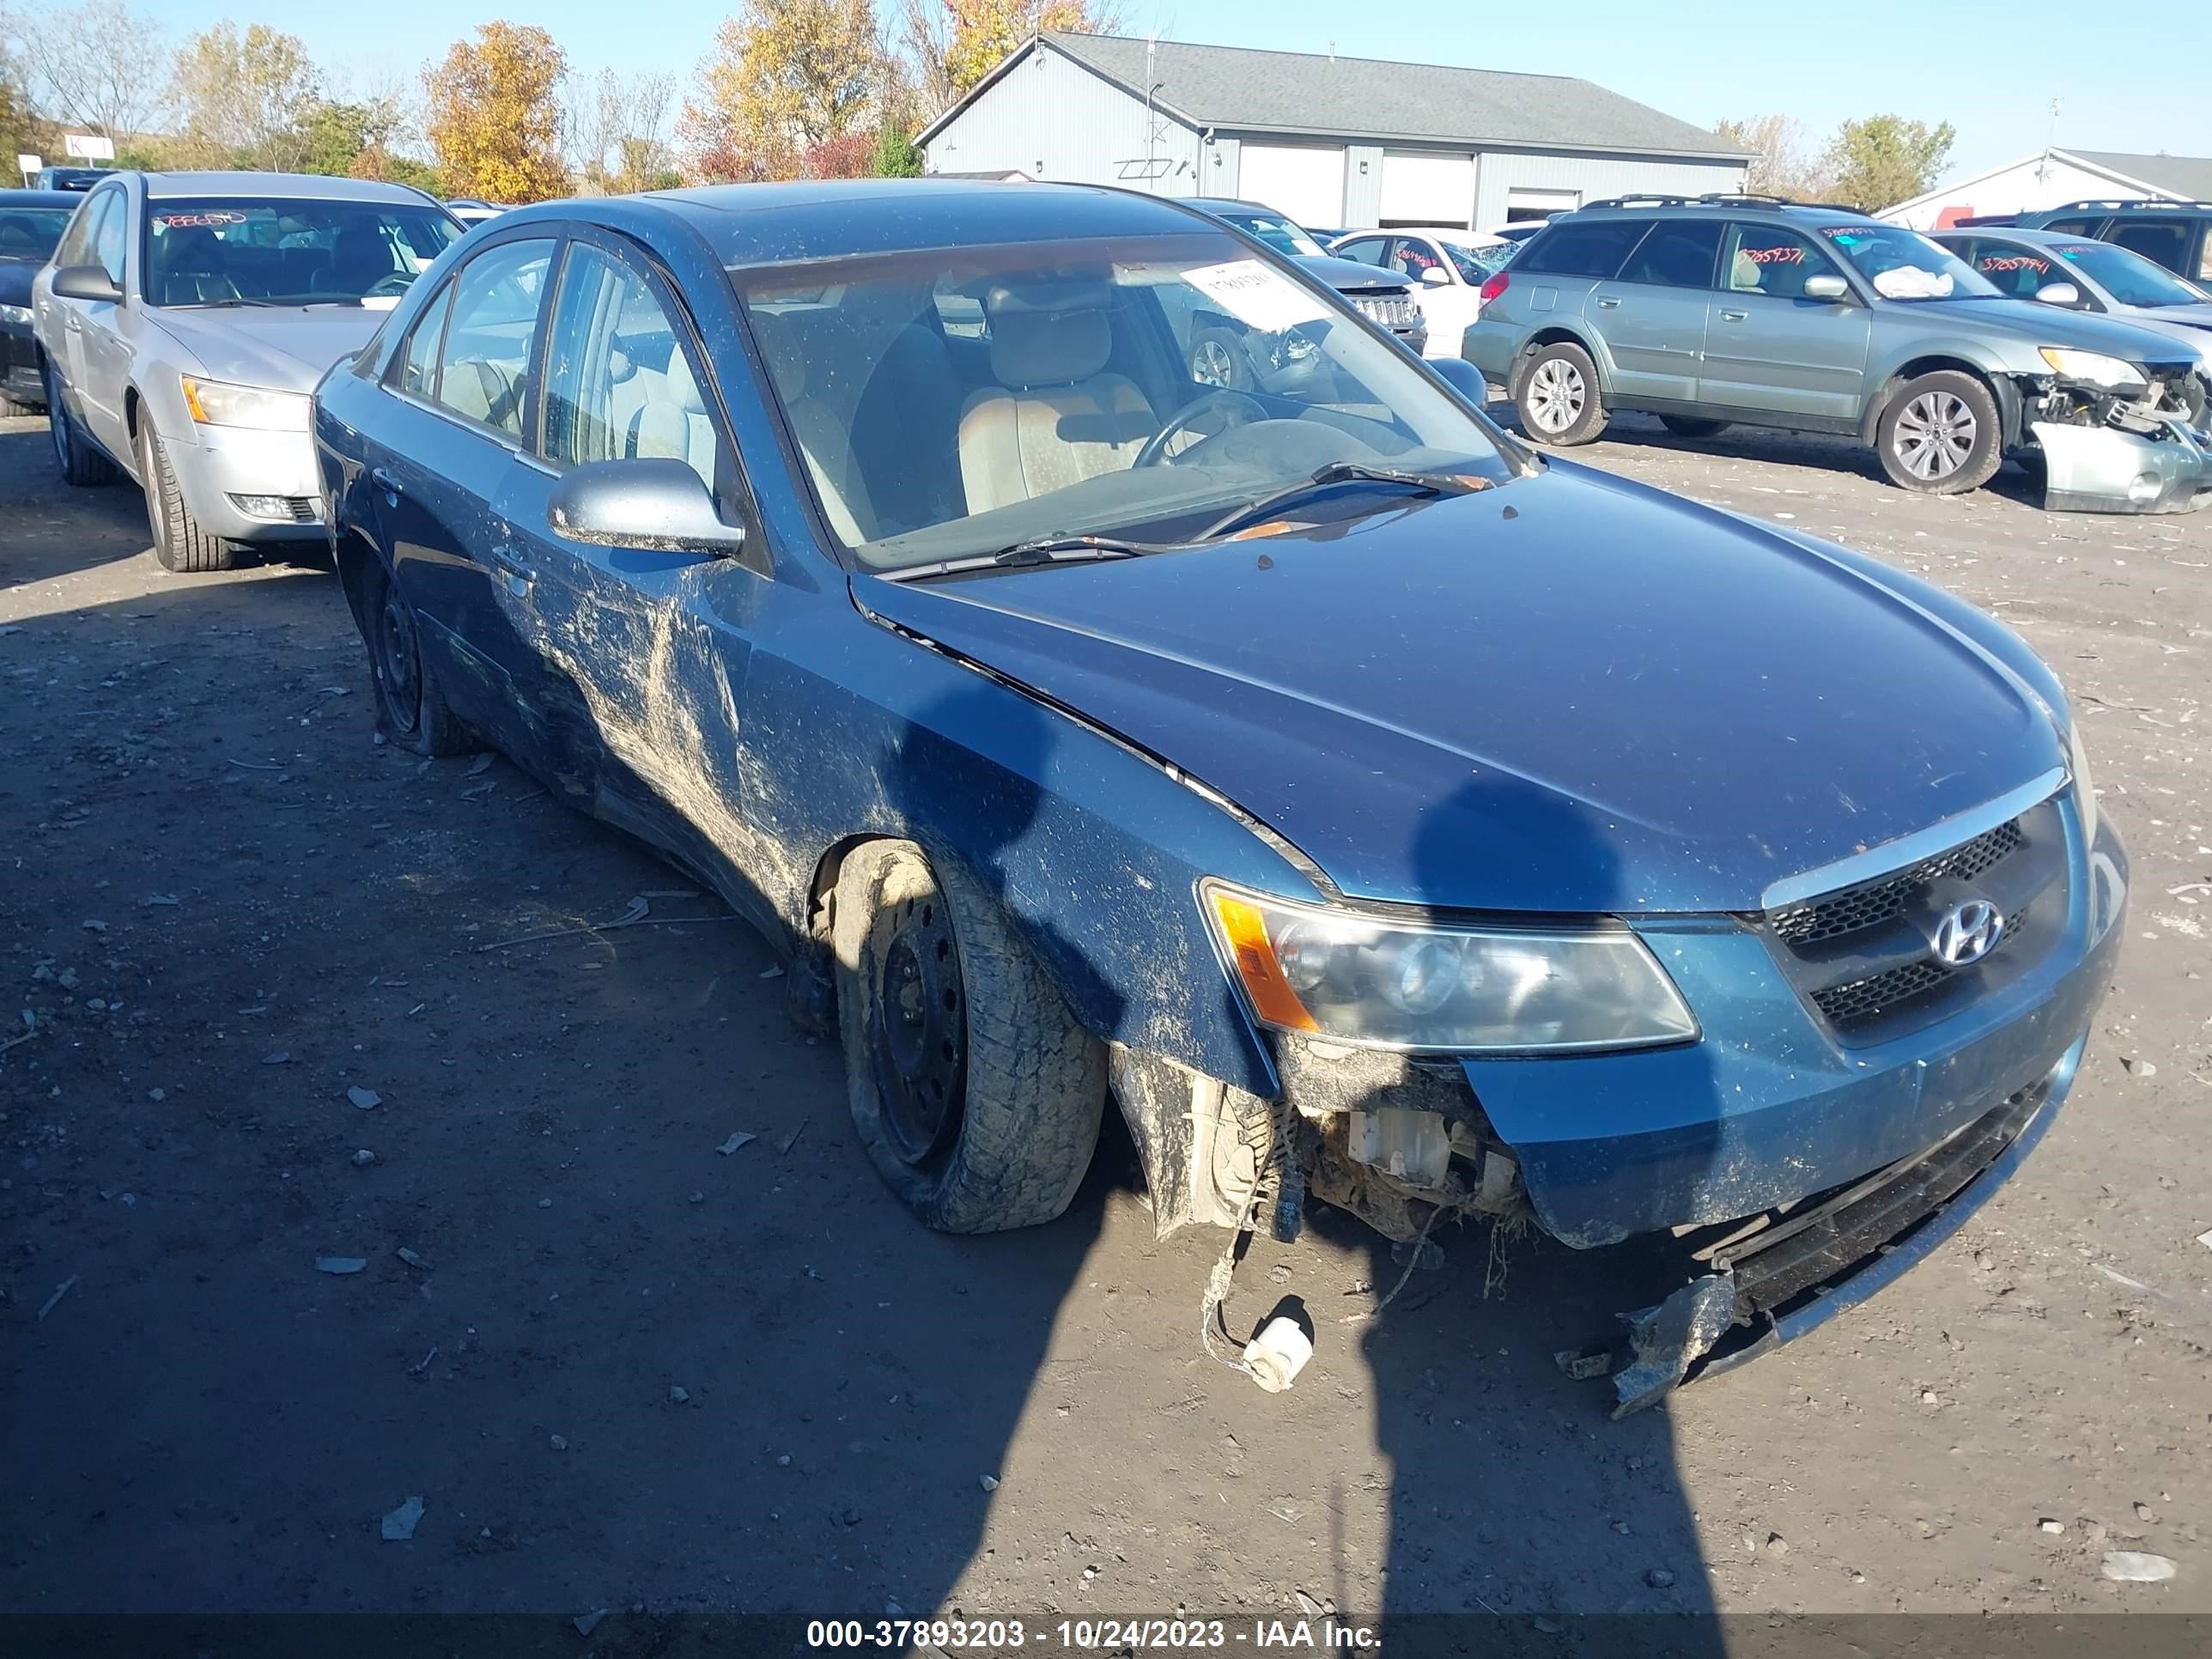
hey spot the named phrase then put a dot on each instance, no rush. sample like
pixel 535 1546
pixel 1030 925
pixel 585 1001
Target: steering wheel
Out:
pixel 397 283
pixel 1155 452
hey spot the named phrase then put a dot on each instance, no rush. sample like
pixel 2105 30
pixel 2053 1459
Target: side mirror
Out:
pixel 86 283
pixel 1463 377
pixel 657 503
pixel 2060 293
pixel 1436 277
pixel 1826 286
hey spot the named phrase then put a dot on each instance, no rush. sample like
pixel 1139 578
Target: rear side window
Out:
pixel 483 370
pixel 2166 240
pixel 1678 253
pixel 1592 250
pixel 418 369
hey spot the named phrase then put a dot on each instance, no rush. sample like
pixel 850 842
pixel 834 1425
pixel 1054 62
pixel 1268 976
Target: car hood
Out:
pixel 2192 324
pixel 1350 277
pixel 2039 325
pixel 15 277
pixel 286 347
pixel 1573 694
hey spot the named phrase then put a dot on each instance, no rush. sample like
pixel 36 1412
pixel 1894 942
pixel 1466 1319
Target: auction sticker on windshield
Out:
pixel 1256 295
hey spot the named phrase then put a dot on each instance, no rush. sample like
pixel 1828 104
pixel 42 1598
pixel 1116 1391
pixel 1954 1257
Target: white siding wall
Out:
pixel 1054 119
pixel 2014 190
pixel 1500 172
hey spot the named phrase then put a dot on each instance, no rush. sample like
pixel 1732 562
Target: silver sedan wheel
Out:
pixel 1936 435
pixel 1556 395
pixel 1210 364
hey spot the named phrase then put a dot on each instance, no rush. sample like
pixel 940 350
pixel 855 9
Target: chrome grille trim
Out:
pixel 1891 857
pixel 1834 915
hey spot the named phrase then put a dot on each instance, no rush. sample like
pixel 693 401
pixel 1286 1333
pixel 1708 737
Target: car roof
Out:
pixel 2014 232
pixel 1772 208
pixel 45 198
pixel 285 187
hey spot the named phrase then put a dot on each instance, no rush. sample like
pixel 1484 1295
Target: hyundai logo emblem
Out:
pixel 1968 933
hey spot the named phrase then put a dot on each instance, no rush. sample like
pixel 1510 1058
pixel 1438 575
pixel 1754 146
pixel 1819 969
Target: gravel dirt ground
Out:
pixel 619 1367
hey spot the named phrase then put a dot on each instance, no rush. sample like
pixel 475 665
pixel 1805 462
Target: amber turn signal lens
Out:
pixel 1245 931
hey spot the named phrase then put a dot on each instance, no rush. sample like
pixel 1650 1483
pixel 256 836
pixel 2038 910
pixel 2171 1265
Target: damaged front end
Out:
pixel 2138 445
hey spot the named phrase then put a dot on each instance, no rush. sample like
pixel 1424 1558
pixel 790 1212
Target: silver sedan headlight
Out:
pixel 1359 979
pixel 215 402
pixel 18 315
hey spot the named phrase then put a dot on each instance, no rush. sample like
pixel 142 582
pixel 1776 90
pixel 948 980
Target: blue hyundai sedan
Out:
pixel 1376 812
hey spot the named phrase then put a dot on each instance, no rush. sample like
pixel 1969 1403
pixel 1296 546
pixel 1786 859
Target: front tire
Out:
pixel 410 708
pixel 80 464
pixel 180 543
pixel 1940 434
pixel 974 1091
pixel 1558 398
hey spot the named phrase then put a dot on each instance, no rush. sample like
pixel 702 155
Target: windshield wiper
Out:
pixel 1342 472
pixel 1057 549
pixel 240 300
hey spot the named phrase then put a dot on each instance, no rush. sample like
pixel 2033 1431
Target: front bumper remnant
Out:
pixel 2106 469
pixel 1777 1283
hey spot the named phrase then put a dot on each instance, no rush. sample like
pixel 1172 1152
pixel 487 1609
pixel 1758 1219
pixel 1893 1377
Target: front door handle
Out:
pixel 1607 303
pixel 1734 316
pixel 385 480
pixel 519 575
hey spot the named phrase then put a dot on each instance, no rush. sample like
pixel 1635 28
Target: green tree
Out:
pixel 495 114
pixel 247 100
pixel 788 81
pixel 895 155
pixel 1882 159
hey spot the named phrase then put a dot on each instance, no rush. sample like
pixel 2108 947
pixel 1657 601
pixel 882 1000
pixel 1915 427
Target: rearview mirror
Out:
pixel 86 283
pixel 657 503
pixel 1434 276
pixel 2059 293
pixel 1826 285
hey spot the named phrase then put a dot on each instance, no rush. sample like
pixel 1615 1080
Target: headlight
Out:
pixel 1356 979
pixel 2085 793
pixel 2094 367
pixel 18 315
pixel 214 403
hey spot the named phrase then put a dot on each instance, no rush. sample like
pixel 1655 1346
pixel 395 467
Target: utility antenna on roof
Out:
pixel 2049 144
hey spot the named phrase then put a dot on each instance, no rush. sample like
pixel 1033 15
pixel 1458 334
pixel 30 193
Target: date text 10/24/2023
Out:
pixel 1087 1635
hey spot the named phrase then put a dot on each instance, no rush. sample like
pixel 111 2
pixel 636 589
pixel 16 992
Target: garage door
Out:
pixel 1302 180
pixel 1422 188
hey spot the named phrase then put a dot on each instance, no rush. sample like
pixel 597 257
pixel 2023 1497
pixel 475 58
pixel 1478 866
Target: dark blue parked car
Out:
pixel 1374 809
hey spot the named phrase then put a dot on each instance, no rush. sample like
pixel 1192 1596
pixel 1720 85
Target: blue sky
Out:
pixel 1992 71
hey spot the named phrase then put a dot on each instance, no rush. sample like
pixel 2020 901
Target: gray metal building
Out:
pixel 1329 141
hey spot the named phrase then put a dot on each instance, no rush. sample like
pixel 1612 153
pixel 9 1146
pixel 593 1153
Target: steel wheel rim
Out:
pixel 1556 395
pixel 397 663
pixel 1210 364
pixel 57 418
pixel 1935 435
pixel 920 1036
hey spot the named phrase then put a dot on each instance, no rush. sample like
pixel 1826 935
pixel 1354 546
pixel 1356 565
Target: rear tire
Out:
pixel 178 542
pixel 1558 397
pixel 1940 434
pixel 974 1091
pixel 1685 426
pixel 80 464
pixel 410 708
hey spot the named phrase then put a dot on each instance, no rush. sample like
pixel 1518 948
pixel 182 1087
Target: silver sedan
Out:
pixel 185 318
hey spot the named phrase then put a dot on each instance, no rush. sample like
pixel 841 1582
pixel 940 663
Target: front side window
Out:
pixel 1140 387
pixel 618 383
pixel 1367 251
pixel 2013 268
pixel 418 369
pixel 484 367
pixel 1771 260
pixel 2164 240
pixel 107 238
pixel 75 247
pixel 241 250
pixel 1282 234
pixel 1590 250
pixel 1415 258
pixel 30 233
pixel 1678 253
pixel 1903 265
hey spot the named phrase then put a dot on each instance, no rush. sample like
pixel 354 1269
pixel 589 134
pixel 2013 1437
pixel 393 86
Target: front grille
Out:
pixel 1390 310
pixel 1877 902
pixel 1858 1000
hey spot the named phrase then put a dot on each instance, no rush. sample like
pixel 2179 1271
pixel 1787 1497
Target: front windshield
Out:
pixel 2128 278
pixel 30 233
pixel 1477 264
pixel 957 402
pixel 1903 265
pixel 236 251
pixel 1278 233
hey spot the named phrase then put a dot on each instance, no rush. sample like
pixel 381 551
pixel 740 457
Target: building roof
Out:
pixel 1247 90
pixel 2186 176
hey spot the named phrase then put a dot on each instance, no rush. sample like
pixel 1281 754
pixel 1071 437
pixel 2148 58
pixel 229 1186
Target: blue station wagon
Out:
pixel 1374 811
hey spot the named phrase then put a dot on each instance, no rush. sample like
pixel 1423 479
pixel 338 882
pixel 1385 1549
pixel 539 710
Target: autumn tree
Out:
pixel 953 44
pixel 495 114
pixel 620 130
pixel 247 100
pixel 1784 166
pixel 790 82
pixel 21 130
pixel 1882 159
pixel 98 67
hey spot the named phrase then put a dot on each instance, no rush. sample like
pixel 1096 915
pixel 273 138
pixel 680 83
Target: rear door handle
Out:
pixel 384 480
pixel 1734 316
